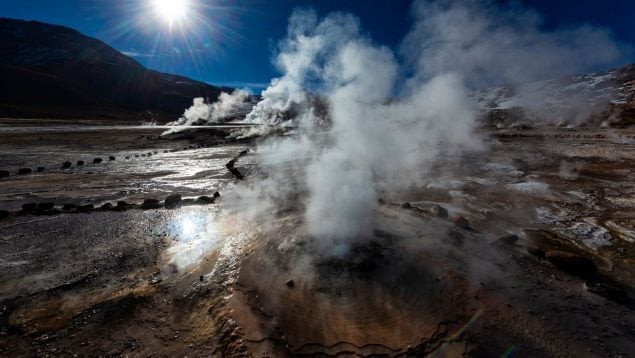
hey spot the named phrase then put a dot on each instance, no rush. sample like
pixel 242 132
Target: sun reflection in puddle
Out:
pixel 194 235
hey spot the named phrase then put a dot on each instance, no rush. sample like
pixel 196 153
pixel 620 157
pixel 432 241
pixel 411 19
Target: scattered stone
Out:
pixel 201 278
pixel 29 208
pixel 150 204
pixel 123 205
pixel 40 169
pixel 439 211
pixel 106 207
pixel 4 173
pixel 173 201
pixel 97 160
pixel 231 167
pixel 290 283
pixel 571 263
pixel 69 207
pixel 4 214
pixel 80 163
pixel 24 171
pixel 66 165
pixel 204 200
pixel 127 157
pixel 45 207
pixel 461 222
pixel 216 195
pixel 111 158
pixel 149 154
pixel 506 240
pixel 85 208
pixel 406 205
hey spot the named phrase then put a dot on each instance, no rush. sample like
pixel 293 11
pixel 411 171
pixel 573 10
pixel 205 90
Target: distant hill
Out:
pixel 53 71
pixel 602 98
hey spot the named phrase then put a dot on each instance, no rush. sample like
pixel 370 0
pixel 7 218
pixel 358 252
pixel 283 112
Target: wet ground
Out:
pixel 200 280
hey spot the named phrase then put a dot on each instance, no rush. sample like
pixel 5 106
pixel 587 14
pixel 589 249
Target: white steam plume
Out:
pixel 227 107
pixel 373 136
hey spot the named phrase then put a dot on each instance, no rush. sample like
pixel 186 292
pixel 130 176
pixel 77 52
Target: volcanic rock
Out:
pixel 40 169
pixel 571 263
pixel 85 208
pixel 97 160
pixel 122 205
pixel 4 173
pixel 29 207
pixel 80 163
pixel 439 211
pixel 506 240
pixel 24 171
pixel 4 214
pixel 204 200
pixel 461 222
pixel 66 165
pixel 45 207
pixel 69 207
pixel 150 204
pixel 173 201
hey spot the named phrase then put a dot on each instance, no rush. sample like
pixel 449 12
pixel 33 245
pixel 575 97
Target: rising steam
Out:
pixel 362 130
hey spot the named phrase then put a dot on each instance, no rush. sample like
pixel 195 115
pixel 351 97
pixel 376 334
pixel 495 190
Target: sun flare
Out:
pixel 171 10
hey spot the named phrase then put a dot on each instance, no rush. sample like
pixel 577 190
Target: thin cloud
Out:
pixel 138 54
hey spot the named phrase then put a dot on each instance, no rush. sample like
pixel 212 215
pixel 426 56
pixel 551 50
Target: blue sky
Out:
pixel 231 42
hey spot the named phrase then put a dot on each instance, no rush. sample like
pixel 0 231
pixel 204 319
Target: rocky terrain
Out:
pixel 525 248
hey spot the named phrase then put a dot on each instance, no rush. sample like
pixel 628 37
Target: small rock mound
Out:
pixel 80 163
pixel 439 211
pixel 97 160
pixel 24 171
pixel 151 204
pixel 40 169
pixel 43 208
pixel 173 201
pixel 461 222
pixel 85 208
pixel 4 214
pixel 111 158
pixel 29 208
pixel 4 173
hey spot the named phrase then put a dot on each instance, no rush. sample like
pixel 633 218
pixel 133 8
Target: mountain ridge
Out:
pixel 55 71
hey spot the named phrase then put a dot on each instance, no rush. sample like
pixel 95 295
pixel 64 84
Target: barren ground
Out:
pixel 198 281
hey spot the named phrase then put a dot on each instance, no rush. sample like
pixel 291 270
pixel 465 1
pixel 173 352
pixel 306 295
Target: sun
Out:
pixel 171 11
